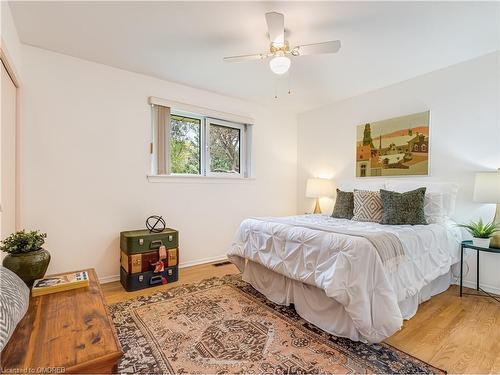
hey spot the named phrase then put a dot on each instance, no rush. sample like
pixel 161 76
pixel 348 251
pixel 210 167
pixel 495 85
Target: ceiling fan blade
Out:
pixel 276 28
pixel 317 48
pixel 241 58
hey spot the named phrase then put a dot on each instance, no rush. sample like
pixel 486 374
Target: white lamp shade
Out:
pixel 487 187
pixel 319 187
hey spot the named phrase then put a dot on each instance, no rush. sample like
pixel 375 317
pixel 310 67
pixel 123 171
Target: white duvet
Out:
pixel 348 268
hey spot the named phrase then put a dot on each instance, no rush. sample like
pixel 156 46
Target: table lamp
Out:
pixel 319 188
pixel 487 190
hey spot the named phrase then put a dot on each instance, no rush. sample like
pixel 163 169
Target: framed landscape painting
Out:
pixel 394 147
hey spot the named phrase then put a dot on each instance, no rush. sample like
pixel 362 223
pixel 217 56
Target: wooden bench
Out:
pixel 65 332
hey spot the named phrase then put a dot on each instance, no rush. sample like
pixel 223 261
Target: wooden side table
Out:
pixel 65 332
pixel 469 245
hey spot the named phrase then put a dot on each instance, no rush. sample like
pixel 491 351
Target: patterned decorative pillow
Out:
pixel 367 206
pixel 403 208
pixel 14 301
pixel 344 205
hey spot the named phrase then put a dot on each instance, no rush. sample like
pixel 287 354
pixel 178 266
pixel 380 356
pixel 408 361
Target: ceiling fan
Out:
pixel 279 49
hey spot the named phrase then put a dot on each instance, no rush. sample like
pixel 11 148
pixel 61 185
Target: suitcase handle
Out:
pixel 155 244
pixel 155 280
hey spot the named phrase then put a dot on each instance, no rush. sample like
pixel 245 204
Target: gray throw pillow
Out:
pixel 14 302
pixel 403 208
pixel 344 205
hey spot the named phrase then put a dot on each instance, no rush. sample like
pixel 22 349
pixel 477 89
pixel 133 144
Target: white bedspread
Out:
pixel 348 268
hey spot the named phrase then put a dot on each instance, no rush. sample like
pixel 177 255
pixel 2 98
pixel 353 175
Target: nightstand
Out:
pixel 469 245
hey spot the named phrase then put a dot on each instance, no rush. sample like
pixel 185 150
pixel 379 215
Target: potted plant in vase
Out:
pixel 26 257
pixel 481 233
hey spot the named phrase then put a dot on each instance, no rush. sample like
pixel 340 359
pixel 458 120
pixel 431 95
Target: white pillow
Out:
pixel 434 208
pixel 447 189
pixel 360 184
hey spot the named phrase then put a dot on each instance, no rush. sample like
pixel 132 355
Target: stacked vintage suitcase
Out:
pixel 148 259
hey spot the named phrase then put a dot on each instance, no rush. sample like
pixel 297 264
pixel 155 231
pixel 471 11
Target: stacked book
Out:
pixel 60 283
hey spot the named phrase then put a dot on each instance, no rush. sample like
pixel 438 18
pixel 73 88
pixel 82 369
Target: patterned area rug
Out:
pixel 223 325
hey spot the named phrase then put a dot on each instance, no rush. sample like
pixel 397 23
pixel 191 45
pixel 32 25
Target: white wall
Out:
pixel 464 101
pixel 85 138
pixel 8 32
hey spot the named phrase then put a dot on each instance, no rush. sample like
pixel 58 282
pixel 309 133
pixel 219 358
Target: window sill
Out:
pixel 199 179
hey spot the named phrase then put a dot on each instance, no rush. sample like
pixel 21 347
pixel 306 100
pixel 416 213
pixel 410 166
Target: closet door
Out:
pixel 7 155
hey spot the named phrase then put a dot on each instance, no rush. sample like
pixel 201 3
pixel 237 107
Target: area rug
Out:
pixel 224 326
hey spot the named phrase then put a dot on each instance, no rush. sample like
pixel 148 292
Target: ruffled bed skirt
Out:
pixel 312 304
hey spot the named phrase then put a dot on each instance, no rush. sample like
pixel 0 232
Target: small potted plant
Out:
pixel 26 257
pixel 481 233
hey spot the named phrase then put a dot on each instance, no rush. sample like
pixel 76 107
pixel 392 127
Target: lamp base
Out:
pixel 317 208
pixel 495 240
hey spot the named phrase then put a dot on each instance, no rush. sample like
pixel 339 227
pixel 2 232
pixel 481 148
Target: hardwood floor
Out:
pixel 459 335
pixel 114 292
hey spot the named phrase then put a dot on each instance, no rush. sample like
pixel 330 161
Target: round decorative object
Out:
pixel 28 266
pixel 155 224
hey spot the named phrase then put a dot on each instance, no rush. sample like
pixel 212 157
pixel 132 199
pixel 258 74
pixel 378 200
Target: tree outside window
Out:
pixel 185 135
pixel 224 149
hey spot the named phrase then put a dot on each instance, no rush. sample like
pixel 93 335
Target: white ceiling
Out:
pixel 382 42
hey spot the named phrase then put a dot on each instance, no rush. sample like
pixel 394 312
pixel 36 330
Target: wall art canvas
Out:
pixel 394 147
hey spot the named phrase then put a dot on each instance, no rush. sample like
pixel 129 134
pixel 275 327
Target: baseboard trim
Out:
pixel 109 279
pixel 191 263
pixel 197 262
pixel 488 288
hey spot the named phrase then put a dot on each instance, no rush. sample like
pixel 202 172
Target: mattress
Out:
pixel 348 269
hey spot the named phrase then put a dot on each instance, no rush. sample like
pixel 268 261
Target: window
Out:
pixel 189 144
pixel 224 147
pixel 363 170
pixel 185 145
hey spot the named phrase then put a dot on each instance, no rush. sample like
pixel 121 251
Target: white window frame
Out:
pixel 206 118
pixel 174 112
pixel 243 147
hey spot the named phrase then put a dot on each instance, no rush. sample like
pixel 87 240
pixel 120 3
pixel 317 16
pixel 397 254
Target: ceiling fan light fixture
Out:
pixel 280 64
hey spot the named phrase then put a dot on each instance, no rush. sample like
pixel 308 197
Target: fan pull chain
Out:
pixel 282 83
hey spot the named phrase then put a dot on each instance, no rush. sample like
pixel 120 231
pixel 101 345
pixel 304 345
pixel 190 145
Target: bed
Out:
pixel 333 273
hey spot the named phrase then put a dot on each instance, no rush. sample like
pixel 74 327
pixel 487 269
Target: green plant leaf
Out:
pixel 23 242
pixel 479 229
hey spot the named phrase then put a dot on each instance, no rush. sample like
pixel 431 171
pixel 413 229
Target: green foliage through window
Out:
pixel 224 149
pixel 185 145
pixel 203 146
